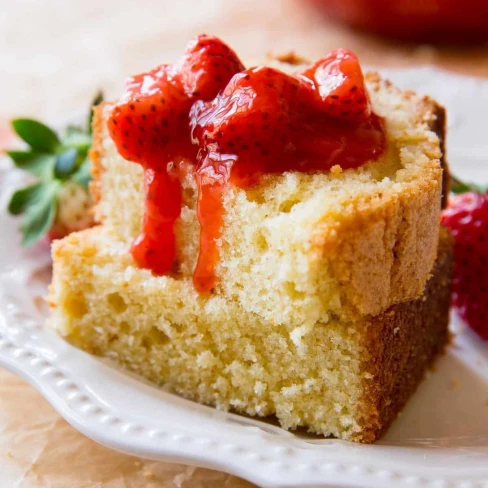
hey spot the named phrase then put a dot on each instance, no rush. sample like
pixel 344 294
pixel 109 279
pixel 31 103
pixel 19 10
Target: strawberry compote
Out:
pixel 235 125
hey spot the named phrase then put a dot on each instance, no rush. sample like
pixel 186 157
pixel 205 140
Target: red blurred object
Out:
pixel 6 136
pixel 433 21
pixel 467 217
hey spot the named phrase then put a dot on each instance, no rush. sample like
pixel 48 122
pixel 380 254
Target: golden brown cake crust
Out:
pixel 390 237
pixel 96 155
pixel 291 58
pixel 401 344
pixel 383 253
pixel 438 125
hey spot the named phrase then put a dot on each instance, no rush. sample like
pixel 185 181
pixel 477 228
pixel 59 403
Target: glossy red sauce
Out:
pixel 235 125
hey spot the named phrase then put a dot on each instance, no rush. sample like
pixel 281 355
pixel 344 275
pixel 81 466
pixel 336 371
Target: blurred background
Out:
pixel 56 53
pixel 54 56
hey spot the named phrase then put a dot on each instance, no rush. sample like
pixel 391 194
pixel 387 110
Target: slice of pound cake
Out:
pixel 269 241
pixel 348 379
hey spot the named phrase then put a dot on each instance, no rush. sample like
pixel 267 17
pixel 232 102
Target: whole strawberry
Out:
pixel 57 201
pixel 467 217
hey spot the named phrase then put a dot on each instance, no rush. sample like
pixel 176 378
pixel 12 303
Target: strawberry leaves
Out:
pixel 38 203
pixel 53 160
pixel 96 101
pixel 66 163
pixel 36 163
pixel 457 186
pixel 82 175
pixel 24 198
pixel 39 136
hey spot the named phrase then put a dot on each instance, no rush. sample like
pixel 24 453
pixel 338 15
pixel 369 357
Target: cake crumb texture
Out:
pixel 301 248
pixel 330 306
pixel 340 378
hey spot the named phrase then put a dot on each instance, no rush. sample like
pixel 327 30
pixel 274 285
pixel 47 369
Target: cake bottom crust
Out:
pixel 343 379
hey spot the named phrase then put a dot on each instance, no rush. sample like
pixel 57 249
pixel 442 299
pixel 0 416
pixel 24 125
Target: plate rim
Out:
pixel 92 418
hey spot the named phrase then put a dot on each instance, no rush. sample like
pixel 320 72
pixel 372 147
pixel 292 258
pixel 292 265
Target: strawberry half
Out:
pixel 339 81
pixel 467 217
pixel 257 117
pixel 207 66
pixel 274 122
pixel 151 120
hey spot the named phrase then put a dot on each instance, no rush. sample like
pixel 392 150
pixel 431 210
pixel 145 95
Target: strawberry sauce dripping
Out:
pixel 235 125
pixel 149 126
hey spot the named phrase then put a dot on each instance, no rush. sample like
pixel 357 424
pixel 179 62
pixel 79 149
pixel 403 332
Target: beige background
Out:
pixel 54 54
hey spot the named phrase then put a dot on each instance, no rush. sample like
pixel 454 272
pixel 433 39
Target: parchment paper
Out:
pixel 39 449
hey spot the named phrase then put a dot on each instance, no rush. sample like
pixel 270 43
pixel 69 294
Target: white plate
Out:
pixel 441 440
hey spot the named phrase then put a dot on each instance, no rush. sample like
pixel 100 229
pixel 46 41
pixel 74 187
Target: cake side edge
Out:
pixel 401 361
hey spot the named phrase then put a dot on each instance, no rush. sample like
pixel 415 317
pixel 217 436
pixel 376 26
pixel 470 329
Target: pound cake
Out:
pixel 269 242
